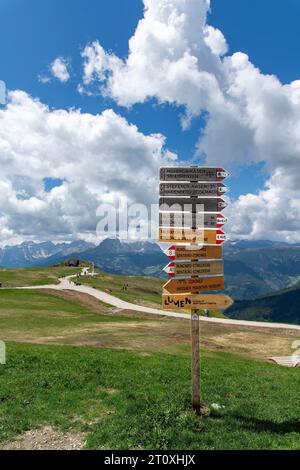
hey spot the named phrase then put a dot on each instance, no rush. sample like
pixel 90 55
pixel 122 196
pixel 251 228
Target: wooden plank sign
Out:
pixel 190 252
pixel 192 189
pixel 188 235
pixel 194 268
pixel 192 174
pixel 185 219
pixel 187 204
pixel 194 284
pixel 194 301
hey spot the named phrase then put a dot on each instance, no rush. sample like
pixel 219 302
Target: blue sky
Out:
pixel 33 33
pixel 36 32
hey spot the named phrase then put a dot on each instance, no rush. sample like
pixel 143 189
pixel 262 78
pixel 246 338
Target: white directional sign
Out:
pixel 192 174
pixel 186 219
pixel 192 189
pixel 167 204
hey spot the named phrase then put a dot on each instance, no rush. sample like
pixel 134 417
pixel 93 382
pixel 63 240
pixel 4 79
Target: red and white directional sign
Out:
pixel 190 252
pixel 189 220
pixel 192 189
pixel 193 174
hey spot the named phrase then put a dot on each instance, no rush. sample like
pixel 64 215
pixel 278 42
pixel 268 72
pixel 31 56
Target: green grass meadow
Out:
pixel 34 276
pixel 145 289
pixel 125 380
pixel 37 311
pixel 124 400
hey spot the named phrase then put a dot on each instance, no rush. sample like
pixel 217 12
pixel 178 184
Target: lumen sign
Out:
pixel 2 92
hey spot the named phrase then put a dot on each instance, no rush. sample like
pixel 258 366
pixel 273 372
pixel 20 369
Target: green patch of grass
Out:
pixel 216 314
pixel 127 401
pixel 140 289
pixel 40 313
pixel 34 276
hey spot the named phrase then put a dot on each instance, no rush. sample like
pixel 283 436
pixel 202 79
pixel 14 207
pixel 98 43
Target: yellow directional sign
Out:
pixel 189 235
pixel 194 268
pixel 194 284
pixel 194 301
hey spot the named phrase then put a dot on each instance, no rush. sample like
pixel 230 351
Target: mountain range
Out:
pixel 280 307
pixel 252 268
pixel 30 254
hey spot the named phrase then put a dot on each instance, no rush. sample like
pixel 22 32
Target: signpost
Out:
pixel 196 301
pixel 194 284
pixel 185 219
pixel 192 189
pixel 191 252
pixel 193 174
pixel 188 204
pixel 190 215
pixel 190 235
pixel 194 268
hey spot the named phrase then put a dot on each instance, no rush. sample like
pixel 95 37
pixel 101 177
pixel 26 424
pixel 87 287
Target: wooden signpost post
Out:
pixel 190 206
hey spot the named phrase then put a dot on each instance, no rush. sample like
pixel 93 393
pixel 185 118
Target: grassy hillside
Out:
pixel 282 307
pixel 44 316
pixel 123 400
pixel 145 291
pixel 56 317
pixel 34 276
pixel 126 384
pixel 140 290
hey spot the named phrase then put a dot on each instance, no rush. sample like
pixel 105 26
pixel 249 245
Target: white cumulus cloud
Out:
pixel 100 158
pixel 60 69
pixel 176 57
pixel 170 58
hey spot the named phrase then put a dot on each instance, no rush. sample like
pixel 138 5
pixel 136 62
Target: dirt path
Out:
pixel 46 438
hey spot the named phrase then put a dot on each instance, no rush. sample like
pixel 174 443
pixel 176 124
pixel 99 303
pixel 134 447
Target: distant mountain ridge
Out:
pixel 30 254
pixel 139 258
